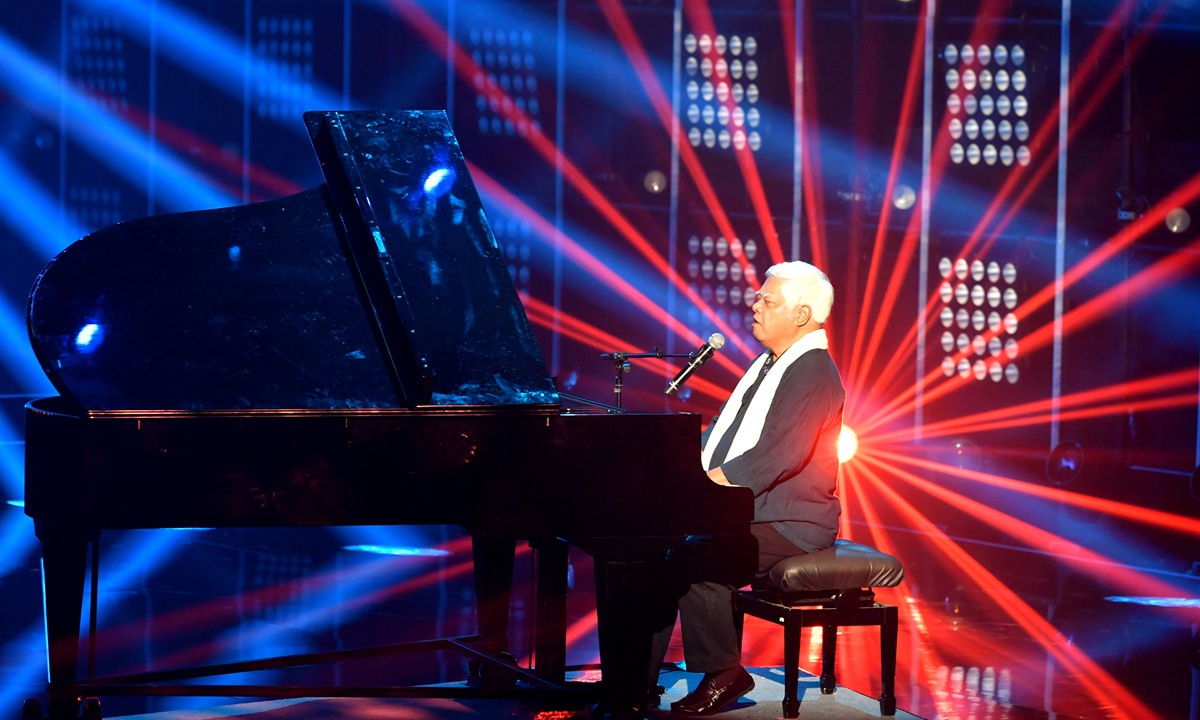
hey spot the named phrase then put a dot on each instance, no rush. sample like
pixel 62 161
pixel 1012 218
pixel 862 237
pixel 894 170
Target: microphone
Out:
pixel 715 342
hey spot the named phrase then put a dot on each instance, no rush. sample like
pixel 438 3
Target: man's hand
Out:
pixel 717 475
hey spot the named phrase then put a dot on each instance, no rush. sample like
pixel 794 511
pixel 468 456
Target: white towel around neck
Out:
pixel 752 424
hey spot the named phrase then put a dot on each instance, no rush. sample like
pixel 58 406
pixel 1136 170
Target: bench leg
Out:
pixel 791 666
pixel 828 659
pixel 887 652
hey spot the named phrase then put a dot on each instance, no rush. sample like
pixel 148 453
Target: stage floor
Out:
pixel 763 703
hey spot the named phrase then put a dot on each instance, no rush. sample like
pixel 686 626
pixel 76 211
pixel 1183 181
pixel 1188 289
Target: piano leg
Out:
pixel 64 559
pixel 622 599
pixel 550 647
pixel 494 559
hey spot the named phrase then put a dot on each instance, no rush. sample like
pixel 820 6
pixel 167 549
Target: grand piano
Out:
pixel 355 354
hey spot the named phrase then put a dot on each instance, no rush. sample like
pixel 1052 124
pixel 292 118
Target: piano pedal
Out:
pixel 31 710
pixel 91 709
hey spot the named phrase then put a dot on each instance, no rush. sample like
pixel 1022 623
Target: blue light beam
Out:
pixel 206 50
pixel 112 140
pixel 18 358
pixel 32 212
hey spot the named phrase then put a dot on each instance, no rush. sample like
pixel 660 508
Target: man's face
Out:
pixel 774 322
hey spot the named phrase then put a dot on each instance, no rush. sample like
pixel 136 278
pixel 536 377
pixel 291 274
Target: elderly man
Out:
pixel 776 434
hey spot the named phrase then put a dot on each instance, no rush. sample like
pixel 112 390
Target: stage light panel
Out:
pixel 508 60
pixel 698 49
pixel 963 295
pixel 285 51
pixel 961 80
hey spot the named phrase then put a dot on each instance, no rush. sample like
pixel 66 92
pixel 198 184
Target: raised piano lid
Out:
pixel 261 306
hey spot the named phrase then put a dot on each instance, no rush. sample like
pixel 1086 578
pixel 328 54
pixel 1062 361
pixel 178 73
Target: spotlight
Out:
pixel 847 444
pixel 1178 220
pixel 1065 463
pixel 904 197
pixel 655 181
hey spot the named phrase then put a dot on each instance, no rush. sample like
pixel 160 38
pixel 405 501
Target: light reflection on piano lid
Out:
pixel 1155 601
pixel 398 551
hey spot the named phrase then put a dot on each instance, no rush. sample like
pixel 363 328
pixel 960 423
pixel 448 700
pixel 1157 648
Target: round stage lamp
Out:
pixel 1178 220
pixel 904 197
pixel 1065 463
pixel 847 444
pixel 655 181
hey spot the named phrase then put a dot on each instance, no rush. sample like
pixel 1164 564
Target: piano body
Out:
pixel 355 354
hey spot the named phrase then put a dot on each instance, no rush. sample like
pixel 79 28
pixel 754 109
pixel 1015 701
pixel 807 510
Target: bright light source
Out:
pixel 401 551
pixel 904 197
pixel 439 182
pixel 847 444
pixel 1156 601
pixel 1178 220
pixel 89 337
pixel 655 181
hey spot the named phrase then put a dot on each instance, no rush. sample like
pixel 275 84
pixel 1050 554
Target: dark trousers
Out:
pixel 711 628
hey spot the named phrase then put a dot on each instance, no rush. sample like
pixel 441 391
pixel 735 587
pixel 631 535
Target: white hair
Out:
pixel 804 284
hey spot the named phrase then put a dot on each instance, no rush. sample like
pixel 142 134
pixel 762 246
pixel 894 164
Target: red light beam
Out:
pixel 1133 513
pixel 916 68
pixel 545 315
pixel 1115 574
pixel 436 37
pixel 1098 683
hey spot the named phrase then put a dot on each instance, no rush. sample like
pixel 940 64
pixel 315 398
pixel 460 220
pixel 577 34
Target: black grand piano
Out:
pixel 355 354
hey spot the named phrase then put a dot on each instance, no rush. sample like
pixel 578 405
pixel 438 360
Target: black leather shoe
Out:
pixel 715 691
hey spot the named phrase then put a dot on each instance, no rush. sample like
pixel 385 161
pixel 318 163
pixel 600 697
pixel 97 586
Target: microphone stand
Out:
pixel 621 363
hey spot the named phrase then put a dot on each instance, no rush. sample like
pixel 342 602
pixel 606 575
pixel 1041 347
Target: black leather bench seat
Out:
pixel 830 588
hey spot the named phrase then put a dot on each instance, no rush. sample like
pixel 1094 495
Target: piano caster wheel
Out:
pixel 91 709
pixel 31 710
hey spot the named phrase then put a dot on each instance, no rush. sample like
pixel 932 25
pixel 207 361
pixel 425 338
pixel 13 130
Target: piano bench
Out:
pixel 830 588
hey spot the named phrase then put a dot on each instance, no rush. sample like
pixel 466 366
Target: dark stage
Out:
pixel 312 310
